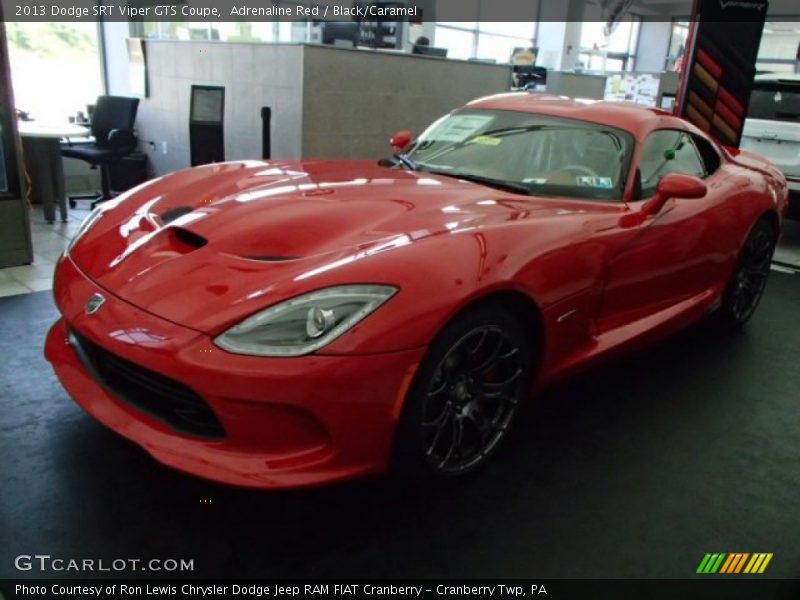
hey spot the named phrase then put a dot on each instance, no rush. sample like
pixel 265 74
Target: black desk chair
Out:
pixel 112 129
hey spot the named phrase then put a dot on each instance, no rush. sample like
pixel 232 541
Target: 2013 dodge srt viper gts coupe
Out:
pixel 287 323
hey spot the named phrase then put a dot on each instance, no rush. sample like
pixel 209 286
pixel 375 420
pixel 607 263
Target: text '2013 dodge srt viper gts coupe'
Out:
pixel 287 323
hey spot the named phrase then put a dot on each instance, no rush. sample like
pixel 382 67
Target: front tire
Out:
pixel 746 285
pixel 465 396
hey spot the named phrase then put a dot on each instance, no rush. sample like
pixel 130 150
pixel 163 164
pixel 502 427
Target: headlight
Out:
pixel 306 323
pixel 85 226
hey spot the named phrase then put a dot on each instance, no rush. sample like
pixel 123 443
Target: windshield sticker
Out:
pixel 597 182
pixel 536 180
pixel 459 127
pixel 486 140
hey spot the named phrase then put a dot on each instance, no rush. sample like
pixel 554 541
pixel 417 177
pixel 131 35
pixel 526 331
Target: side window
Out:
pixel 708 152
pixel 667 151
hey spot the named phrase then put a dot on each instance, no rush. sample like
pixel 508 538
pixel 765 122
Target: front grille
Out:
pixel 165 399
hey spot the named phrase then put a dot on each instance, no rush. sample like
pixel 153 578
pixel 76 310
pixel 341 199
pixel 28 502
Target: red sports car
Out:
pixel 287 323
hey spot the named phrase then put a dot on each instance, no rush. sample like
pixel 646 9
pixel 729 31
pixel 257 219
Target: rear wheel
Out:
pixel 465 396
pixel 749 278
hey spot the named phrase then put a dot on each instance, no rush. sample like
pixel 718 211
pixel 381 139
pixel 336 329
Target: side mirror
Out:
pixel 674 185
pixel 400 141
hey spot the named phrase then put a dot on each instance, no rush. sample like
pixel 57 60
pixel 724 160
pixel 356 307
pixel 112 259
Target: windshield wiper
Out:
pixel 508 186
pixel 399 160
pixel 406 161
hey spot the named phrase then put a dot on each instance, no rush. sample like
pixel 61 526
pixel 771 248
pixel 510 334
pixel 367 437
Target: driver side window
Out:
pixel 667 151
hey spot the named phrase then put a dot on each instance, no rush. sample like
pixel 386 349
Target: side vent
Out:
pixel 174 213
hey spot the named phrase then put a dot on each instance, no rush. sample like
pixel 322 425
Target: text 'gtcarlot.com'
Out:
pixel 45 562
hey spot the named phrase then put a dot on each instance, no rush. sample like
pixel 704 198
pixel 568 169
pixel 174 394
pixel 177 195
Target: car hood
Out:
pixel 206 247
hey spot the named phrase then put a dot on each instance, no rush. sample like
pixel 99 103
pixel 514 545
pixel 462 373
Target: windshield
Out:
pixel 537 154
pixel 778 101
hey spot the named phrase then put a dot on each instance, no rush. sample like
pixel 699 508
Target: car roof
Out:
pixel 628 116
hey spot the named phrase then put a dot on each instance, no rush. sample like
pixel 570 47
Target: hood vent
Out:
pixel 272 258
pixel 173 213
pixel 188 238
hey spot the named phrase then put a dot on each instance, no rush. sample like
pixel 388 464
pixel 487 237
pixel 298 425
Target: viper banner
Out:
pixel 720 66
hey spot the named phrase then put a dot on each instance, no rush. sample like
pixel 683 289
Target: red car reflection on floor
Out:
pixel 287 323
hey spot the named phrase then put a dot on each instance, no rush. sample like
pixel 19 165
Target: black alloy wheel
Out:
pixel 746 285
pixel 466 394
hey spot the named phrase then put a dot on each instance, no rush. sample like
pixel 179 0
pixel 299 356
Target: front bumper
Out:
pixel 287 422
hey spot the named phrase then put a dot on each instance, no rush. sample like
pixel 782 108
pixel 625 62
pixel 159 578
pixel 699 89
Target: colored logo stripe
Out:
pixel 758 563
pixel 734 563
pixel 710 563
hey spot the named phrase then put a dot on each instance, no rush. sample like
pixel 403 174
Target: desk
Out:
pixel 41 148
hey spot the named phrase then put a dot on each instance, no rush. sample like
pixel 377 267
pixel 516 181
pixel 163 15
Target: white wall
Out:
pixel 651 52
pixel 253 75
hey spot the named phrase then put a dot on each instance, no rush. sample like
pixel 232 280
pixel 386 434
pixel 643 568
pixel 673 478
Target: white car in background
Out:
pixel 772 128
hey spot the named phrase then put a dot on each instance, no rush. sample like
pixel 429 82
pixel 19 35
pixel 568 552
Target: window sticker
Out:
pixel 536 180
pixel 597 182
pixel 459 127
pixel 486 140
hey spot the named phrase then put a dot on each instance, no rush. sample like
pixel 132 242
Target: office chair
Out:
pixel 112 129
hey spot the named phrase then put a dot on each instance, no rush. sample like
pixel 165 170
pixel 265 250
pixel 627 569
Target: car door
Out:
pixel 677 253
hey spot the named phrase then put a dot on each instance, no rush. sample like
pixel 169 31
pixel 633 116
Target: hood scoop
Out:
pixel 174 213
pixel 184 241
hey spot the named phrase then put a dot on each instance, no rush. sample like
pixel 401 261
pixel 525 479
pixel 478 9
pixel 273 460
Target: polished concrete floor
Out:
pixel 634 469
pixel 788 250
pixel 48 241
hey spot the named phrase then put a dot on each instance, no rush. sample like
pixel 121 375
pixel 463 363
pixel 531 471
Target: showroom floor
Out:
pixel 788 250
pixel 48 243
pixel 634 469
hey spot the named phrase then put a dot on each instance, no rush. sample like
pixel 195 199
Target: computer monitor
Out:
pixel 207 104
pixel 339 33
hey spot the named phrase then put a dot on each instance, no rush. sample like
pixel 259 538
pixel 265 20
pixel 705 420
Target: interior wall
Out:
pixel 325 101
pixel 354 100
pixel 254 75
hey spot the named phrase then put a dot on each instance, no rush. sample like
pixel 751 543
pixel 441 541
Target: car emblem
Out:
pixel 94 303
